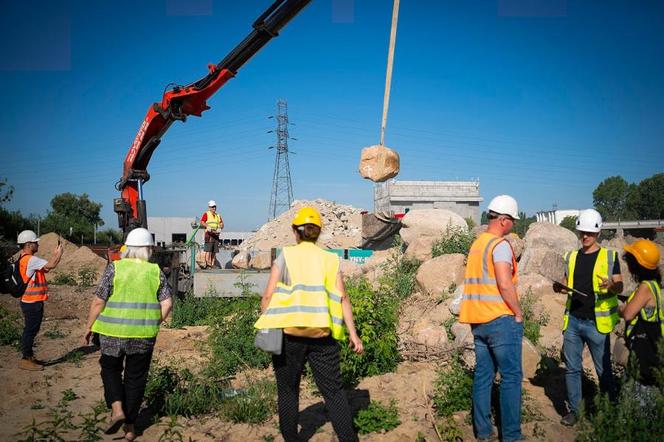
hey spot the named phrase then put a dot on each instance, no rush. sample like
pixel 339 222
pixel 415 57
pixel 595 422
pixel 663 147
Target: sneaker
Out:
pixel 568 420
pixel 30 365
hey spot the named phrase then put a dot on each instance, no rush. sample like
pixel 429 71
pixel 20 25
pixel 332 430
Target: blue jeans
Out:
pixel 579 332
pixel 498 346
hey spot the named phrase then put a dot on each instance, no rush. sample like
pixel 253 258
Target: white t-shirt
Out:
pixel 34 263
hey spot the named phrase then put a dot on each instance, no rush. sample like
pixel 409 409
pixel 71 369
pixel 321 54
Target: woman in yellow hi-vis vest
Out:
pixel 591 312
pixel 305 297
pixel 131 301
pixel 644 311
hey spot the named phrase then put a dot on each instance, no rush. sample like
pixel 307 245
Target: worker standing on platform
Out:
pixel 213 224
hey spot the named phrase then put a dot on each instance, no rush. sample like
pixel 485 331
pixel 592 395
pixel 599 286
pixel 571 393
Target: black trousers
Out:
pixel 33 314
pixel 323 357
pixel 124 379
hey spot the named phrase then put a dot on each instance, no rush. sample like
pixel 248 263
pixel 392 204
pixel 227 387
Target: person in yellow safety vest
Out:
pixel 591 312
pixel 132 300
pixel 644 311
pixel 33 270
pixel 305 296
pixel 490 304
pixel 213 223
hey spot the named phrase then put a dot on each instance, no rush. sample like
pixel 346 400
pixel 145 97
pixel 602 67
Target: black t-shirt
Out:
pixel 583 307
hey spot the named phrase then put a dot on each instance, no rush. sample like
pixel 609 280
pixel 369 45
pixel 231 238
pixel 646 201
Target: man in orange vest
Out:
pixel 490 305
pixel 33 270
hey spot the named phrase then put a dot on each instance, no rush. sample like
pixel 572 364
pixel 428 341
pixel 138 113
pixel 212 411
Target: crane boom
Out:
pixel 182 101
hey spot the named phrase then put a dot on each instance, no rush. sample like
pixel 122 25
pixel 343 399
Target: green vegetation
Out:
pixel 10 329
pixel 569 222
pixel 454 240
pixel 452 390
pixel 532 323
pixel 55 333
pixel 616 199
pixel 84 279
pixel 377 417
pixel 637 415
pixel 398 276
pixel 521 225
pixel 449 430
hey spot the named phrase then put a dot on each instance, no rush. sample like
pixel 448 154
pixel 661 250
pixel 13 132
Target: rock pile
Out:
pixel 74 258
pixel 342 229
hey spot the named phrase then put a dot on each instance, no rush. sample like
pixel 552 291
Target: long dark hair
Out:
pixel 640 273
pixel 307 232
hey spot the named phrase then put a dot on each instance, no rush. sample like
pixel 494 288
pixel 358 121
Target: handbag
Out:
pixel 270 340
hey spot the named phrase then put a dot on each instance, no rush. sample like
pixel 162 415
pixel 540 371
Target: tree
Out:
pixel 11 223
pixel 612 199
pixel 6 194
pixel 485 218
pixel 75 213
pixel 521 225
pixel 569 222
pixel 109 236
pixel 647 201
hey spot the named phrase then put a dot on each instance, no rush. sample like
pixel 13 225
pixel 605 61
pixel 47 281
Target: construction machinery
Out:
pixel 177 104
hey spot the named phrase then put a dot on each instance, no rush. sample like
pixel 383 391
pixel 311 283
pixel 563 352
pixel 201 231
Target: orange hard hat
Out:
pixel 646 253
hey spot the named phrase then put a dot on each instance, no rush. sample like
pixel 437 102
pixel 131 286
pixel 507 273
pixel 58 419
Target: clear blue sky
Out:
pixel 538 99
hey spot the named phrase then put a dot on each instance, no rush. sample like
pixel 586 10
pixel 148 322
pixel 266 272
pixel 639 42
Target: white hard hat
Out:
pixel 27 236
pixel 589 220
pixel 139 237
pixel 504 205
pixel 212 203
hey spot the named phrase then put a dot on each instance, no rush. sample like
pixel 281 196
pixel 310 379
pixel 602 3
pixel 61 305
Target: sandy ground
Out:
pixel 28 395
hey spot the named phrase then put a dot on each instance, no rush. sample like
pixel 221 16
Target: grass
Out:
pixel 377 417
pixel 532 322
pixel 455 240
pixel 10 329
pixel 452 390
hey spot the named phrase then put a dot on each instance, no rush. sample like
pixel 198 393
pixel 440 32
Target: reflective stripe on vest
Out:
pixel 37 288
pixel 132 310
pixel 658 313
pixel 312 299
pixel 606 304
pixel 213 220
pixel 481 301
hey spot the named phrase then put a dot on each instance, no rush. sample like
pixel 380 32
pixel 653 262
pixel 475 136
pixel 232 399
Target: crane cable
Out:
pixel 388 75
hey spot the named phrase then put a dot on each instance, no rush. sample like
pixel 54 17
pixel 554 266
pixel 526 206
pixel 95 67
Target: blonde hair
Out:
pixel 138 252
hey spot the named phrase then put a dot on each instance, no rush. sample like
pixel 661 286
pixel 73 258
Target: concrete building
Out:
pixel 170 229
pixel 555 216
pixel 461 197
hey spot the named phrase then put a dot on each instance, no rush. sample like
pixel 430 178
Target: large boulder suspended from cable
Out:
pixel 379 163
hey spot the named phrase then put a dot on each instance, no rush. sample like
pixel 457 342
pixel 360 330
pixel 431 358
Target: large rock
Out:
pixel 463 336
pixel 377 259
pixel 420 249
pixel 530 358
pixel 429 334
pixel 261 261
pixel 544 261
pixel 620 351
pixel 517 244
pixel 550 236
pixel 454 304
pixel 429 222
pixel 349 269
pixel 241 260
pixel 536 283
pixel 379 163
pixel 436 276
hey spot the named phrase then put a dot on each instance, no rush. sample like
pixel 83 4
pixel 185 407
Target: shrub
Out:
pixel 569 222
pixel 376 320
pixel 253 406
pixel 453 389
pixel 10 329
pixel 64 278
pixel 87 277
pixel 532 323
pixel 398 273
pixel 377 417
pixel 455 240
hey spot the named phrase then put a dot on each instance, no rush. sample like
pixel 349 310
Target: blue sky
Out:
pixel 538 99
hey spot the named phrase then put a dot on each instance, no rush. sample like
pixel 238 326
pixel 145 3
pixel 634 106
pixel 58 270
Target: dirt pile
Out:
pixel 74 258
pixel 342 227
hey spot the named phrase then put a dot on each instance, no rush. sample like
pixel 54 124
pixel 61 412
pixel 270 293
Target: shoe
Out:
pixel 130 433
pixel 30 365
pixel 490 438
pixel 568 420
pixel 115 424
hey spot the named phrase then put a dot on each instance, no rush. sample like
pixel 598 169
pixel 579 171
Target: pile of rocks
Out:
pixel 342 229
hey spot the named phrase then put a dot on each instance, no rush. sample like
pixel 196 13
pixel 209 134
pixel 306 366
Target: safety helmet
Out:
pixel 139 237
pixel 646 253
pixel 212 203
pixel 589 220
pixel 27 236
pixel 504 205
pixel 307 215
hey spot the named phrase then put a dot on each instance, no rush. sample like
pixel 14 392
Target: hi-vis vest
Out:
pixel 37 288
pixel 213 220
pixel 606 304
pixel 312 299
pixel 481 301
pixel 132 310
pixel 656 291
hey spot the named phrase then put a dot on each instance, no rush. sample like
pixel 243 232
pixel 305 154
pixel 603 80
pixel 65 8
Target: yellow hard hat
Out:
pixel 307 215
pixel 645 252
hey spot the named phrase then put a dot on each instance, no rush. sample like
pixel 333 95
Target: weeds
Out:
pixel 448 430
pixel 55 333
pixel 75 357
pixel 452 390
pixel 64 278
pixel 455 240
pixel 254 406
pixel 10 330
pixel 377 417
pixel 173 431
pixel 84 279
pixel 532 323
pixel 398 273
